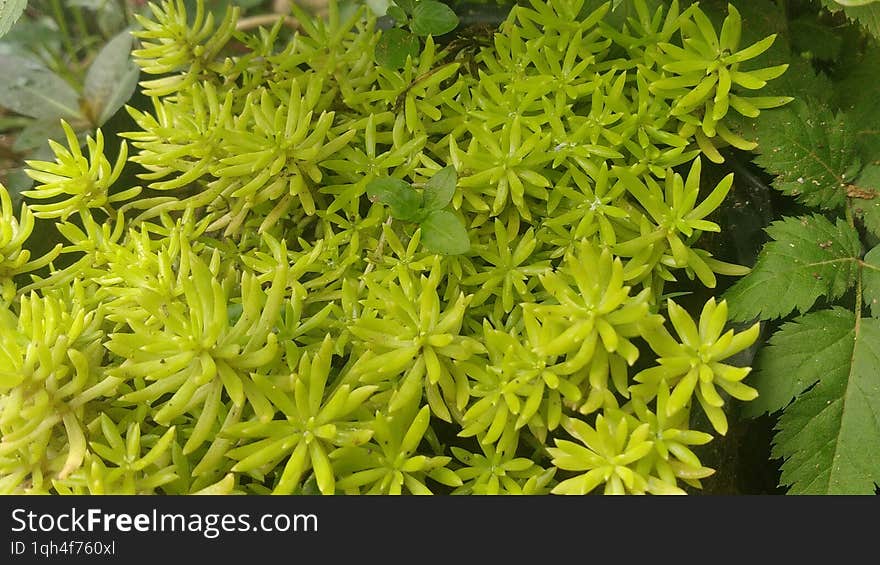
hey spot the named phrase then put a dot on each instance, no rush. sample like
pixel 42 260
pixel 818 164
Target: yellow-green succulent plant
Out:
pixel 258 317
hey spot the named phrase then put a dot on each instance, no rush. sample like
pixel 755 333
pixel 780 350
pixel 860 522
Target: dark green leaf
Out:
pixel 808 257
pixel 31 89
pixel 810 150
pixel 444 232
pixel 827 437
pixel 405 202
pixel 395 46
pixel 857 94
pixel 433 18
pixel 809 35
pixel 867 15
pixel 871 280
pixel 866 200
pixel 440 188
pixel 788 364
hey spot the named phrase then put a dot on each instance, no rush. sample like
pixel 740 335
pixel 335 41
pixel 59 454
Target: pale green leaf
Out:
pixel 10 11
pixel 112 78
pixel 31 89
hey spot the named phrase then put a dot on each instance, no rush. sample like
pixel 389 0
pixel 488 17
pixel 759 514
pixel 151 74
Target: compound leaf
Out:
pixel 856 94
pixel 807 257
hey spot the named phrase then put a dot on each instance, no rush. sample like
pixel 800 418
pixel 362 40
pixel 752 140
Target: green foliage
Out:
pixel 808 258
pixel 828 361
pixel 818 372
pixel 423 18
pixel 441 230
pixel 862 11
pixel 810 152
pixel 335 276
pixel 10 11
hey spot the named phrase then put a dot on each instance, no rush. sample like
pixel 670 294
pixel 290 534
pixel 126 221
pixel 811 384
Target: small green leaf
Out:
pixel 433 18
pixel 406 5
pixel 395 46
pixel 405 202
pixel 397 13
pixel 444 232
pixel 440 188
pixel 871 280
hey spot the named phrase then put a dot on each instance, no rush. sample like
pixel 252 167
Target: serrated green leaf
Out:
pixel 857 93
pixel 111 79
pixel 810 151
pixel 808 257
pixel 788 364
pixel 395 46
pixel 440 188
pixel 399 195
pixel 868 15
pixel 827 437
pixel 433 18
pixel 866 198
pixel 871 280
pixel 809 35
pixel 31 89
pixel 444 232
pixel 10 11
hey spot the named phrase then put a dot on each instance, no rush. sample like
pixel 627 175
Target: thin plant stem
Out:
pixel 58 15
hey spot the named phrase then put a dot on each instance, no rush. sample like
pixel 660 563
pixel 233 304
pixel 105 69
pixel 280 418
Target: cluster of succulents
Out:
pixel 251 320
